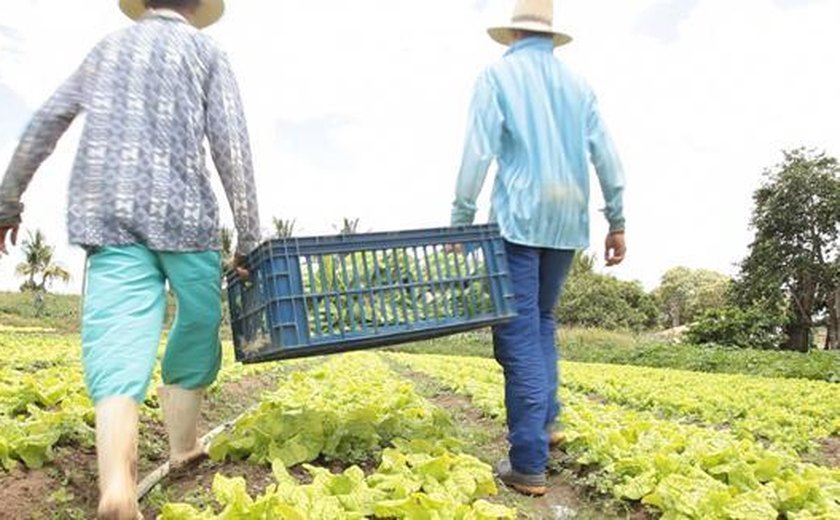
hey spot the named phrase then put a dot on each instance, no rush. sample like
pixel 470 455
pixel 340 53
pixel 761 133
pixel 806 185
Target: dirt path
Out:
pixel 829 453
pixel 226 403
pixel 67 486
pixel 26 492
pixel 568 497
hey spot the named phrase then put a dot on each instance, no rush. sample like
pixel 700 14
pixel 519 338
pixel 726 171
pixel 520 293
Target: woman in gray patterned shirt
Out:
pixel 141 204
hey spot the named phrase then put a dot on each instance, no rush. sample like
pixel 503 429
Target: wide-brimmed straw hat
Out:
pixel 208 12
pixel 530 15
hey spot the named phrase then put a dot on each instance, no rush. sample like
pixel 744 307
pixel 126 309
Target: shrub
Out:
pixel 734 326
pixel 597 300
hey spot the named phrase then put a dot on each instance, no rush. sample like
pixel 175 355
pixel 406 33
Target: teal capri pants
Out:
pixel 123 316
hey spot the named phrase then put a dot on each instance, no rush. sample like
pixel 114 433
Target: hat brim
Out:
pixel 505 35
pixel 208 12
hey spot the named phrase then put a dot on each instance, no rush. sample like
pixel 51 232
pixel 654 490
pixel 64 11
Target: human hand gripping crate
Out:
pixel 321 295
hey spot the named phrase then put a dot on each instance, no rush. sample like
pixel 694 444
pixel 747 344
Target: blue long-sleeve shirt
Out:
pixel 541 123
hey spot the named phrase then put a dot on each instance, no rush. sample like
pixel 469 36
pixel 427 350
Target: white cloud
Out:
pixel 357 109
pixel 662 20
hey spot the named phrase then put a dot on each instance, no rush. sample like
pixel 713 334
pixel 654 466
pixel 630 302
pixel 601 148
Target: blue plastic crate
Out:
pixel 319 295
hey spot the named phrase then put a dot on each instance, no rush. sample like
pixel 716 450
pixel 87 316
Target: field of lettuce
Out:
pixel 384 434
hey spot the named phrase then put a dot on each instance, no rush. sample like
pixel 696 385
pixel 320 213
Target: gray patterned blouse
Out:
pixel 151 93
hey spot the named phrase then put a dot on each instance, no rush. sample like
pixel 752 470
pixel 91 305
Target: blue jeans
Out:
pixel 526 349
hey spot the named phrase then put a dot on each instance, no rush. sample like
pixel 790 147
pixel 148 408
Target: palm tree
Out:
pixel 350 226
pixel 226 238
pixel 283 228
pixel 38 263
pixel 583 264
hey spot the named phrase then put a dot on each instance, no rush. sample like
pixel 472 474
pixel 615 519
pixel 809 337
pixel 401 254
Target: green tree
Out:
pixel 832 339
pixel 582 265
pixel 283 228
pixel 226 239
pixel 592 299
pixel 349 226
pixel 38 267
pixel 793 260
pixel 750 327
pixel 684 294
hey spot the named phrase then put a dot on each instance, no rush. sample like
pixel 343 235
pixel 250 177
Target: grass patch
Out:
pixel 588 346
pixel 62 312
pixel 57 311
pixel 473 344
pixel 627 348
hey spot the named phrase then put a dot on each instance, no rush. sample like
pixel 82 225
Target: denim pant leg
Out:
pixel 517 349
pixel 554 268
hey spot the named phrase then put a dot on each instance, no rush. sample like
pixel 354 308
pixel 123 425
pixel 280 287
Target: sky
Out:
pixel 358 109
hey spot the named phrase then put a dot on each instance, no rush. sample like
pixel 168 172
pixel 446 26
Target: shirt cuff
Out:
pixel 10 213
pixel 243 248
pixel 461 217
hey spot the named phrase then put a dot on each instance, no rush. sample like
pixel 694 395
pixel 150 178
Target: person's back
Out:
pixel 151 93
pixel 544 106
pixel 539 120
pixel 140 173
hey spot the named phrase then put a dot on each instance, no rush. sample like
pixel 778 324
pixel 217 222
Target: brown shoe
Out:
pixel 526 484
pixel 556 438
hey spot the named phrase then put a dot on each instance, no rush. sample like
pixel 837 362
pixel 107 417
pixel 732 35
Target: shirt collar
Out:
pixel 540 43
pixel 167 14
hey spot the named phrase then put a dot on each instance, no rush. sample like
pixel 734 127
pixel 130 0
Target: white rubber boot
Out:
pixel 180 417
pixel 116 454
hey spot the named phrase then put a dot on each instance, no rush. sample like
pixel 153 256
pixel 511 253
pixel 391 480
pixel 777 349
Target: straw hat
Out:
pixel 530 15
pixel 208 12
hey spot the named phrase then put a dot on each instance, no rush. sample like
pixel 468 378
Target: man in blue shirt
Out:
pixel 540 123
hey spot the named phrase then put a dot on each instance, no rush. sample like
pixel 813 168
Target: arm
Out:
pixel 36 144
pixel 231 152
pixel 482 144
pixel 608 167
pixel 604 158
